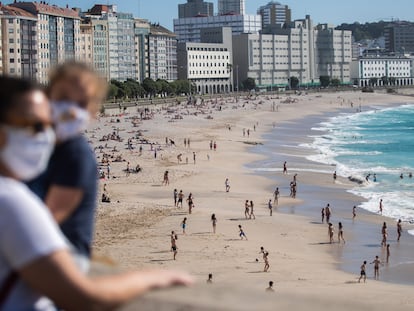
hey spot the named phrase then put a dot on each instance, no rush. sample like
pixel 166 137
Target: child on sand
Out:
pixel 363 272
pixel 184 224
pixel 331 233
pixel 214 222
pixel 241 233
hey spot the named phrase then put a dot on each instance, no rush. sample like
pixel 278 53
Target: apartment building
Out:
pixel 233 7
pixel 85 53
pixel 141 31
pixel 19 42
pixel 194 8
pixel 58 34
pixel 208 65
pixel 162 53
pixel 399 37
pixel 274 14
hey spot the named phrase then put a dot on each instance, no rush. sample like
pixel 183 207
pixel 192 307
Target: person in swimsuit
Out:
pixel 246 209
pixel 380 207
pixel 340 233
pixel 166 179
pixel 214 222
pixel 252 211
pixel 384 234
pixel 399 230
pixel 276 195
pixel 377 264
pixel 331 233
pixel 363 272
pixel 270 207
pixel 334 177
pixel 323 214
pixel 388 253
pixel 328 213
pixel 190 203
pixel 285 171
pixel 184 224
pixel 175 193
pixel 174 248
pixel 263 252
pixel 180 199
pixel 227 185
pixel 241 233
pixel 354 212
pixel 266 260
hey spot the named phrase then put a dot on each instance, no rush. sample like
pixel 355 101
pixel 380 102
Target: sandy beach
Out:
pixel 133 231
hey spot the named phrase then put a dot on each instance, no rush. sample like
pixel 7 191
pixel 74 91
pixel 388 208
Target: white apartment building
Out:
pixel 208 66
pixel 162 54
pixel 382 71
pixel 19 48
pixel 58 34
pixel 142 30
pixel 85 53
pixel 237 7
pixel 189 29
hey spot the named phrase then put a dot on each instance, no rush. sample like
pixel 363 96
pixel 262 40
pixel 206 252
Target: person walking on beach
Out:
pixel 188 143
pixel 266 261
pixel 166 179
pixel 399 230
pixel 263 252
pixel 270 207
pixel 331 233
pixel 328 213
pixel 388 253
pixel 252 211
pixel 384 234
pixel 215 146
pixel 340 233
pixel 380 207
pixel 180 199
pixel 241 233
pixel 246 209
pixel 211 145
pixel 276 195
pixel 377 263
pixel 190 201
pixel 334 177
pixel 214 222
pixel 174 239
pixel 227 185
pixel 194 157
pixel 175 194
pixel 354 212
pixel 285 171
pixel 184 224
pixel 185 142
pixel 323 214
pixel 363 272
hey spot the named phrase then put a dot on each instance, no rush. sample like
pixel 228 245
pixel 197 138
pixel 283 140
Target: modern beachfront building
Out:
pixel 383 71
pixel 208 65
pixel 141 30
pixel 19 42
pixel 189 29
pixel 399 37
pixel 162 53
pixel 195 8
pixel 300 50
pixel 57 35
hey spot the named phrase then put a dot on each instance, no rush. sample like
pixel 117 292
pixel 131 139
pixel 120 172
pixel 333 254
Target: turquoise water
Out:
pixel 381 142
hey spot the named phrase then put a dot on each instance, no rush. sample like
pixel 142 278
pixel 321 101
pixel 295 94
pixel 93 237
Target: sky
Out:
pixel 322 11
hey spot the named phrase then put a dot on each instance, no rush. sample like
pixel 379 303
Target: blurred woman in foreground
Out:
pixel 34 259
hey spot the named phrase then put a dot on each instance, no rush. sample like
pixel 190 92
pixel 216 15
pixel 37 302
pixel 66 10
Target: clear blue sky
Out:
pixel 321 11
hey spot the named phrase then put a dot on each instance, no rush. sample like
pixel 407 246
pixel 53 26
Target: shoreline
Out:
pixel 300 264
pixel 366 224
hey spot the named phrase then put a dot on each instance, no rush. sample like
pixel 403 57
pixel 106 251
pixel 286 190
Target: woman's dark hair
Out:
pixel 11 91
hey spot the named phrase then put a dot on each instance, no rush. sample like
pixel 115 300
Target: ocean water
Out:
pixel 378 141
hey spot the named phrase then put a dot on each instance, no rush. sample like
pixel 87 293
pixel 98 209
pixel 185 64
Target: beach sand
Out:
pixel 133 231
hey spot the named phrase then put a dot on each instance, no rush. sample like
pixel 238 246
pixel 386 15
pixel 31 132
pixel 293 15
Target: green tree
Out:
pixel 249 84
pixel 336 82
pixel 294 83
pixel 325 81
pixel 112 91
pixel 149 86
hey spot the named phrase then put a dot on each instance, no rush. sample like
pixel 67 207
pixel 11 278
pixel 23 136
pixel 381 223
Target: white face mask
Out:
pixel 27 154
pixel 70 120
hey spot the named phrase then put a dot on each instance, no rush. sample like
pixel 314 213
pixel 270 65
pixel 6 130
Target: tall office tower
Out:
pixel 399 37
pixel 274 14
pixel 195 8
pixel 236 7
